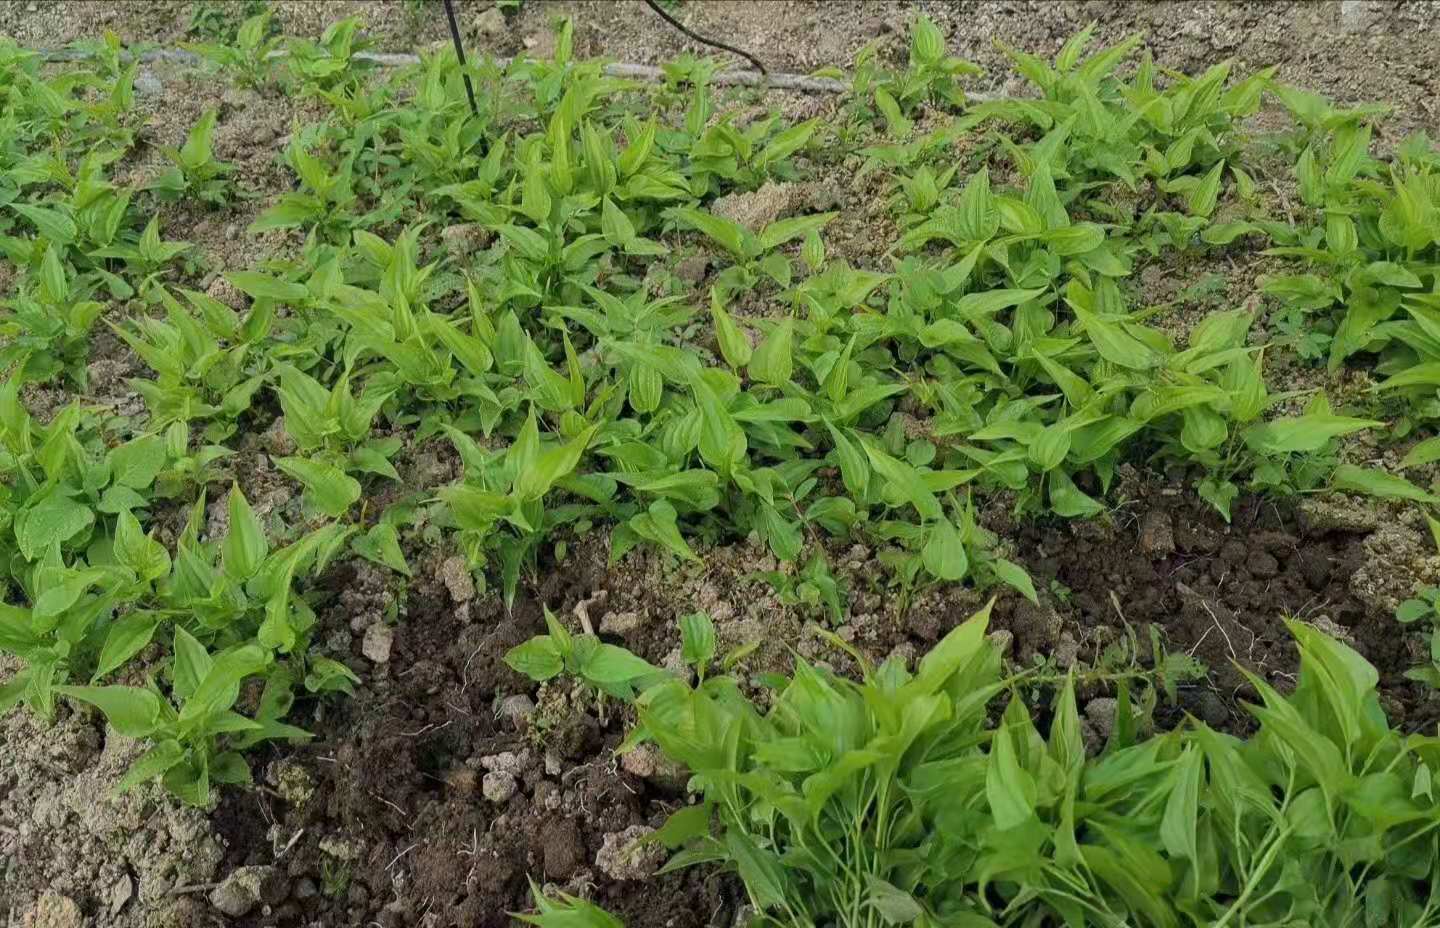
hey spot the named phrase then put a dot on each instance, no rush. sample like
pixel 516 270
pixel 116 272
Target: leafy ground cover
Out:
pixel 473 363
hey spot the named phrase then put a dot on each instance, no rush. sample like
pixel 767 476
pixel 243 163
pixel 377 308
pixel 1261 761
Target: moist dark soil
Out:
pixel 389 816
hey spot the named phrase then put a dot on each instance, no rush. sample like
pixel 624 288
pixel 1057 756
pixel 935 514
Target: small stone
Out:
pixel 239 98
pixel 463 781
pixel 292 781
pixel 1067 651
pixel 376 644
pixel 396 914
pixel 563 848
pixel 53 910
pixel 517 711
pixel 465 239
pixel 648 762
pixel 498 787
pixel 1211 709
pixel 621 623
pixel 455 574
pixel 1003 641
pixel 1101 714
pixel 341 848
pixel 1359 15
pixel 305 889
pixel 693 269
pixel 540 45
pixel 263 134
pixel 146 84
pixel 507 762
pixel 248 887
pixel 1263 565
pixel 276 440
pixel 491 23
pixel 623 857
pixel 119 894
pixel 1157 533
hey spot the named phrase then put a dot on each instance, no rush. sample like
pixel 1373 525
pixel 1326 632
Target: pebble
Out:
pixel 148 85
pixel 378 640
pixel 246 888
pixel 1157 533
pixel 622 857
pixel 455 574
pixel 490 23
pixel 498 786
pixel 517 711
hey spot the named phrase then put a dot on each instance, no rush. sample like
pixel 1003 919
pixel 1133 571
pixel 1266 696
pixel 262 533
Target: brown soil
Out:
pixel 399 774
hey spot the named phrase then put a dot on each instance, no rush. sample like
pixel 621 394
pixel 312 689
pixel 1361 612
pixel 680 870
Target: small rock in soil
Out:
pixel 465 239
pixel 648 763
pixel 292 781
pixel 564 849
pixel 120 892
pixel 306 889
pixel 225 292
pixel 621 623
pixel 1067 651
pixel 1211 709
pixel 507 762
pixel 53 910
pixel 757 209
pixel 146 84
pixel 1101 714
pixel 379 639
pixel 517 711
pixel 455 574
pixel 1263 565
pixel 1157 533
pixel 622 857
pixel 498 787
pixel 247 887
pixel 463 781
pixel 490 24
pixel 276 440
pixel 693 269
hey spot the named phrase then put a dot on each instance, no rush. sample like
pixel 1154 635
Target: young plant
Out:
pixel 196 172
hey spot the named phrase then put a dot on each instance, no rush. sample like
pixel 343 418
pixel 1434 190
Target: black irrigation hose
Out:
pixel 654 5
pixel 460 54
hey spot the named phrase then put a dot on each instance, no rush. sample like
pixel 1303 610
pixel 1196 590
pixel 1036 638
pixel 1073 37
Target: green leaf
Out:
pixel 729 235
pixel 52 520
pixel 1182 809
pixel 382 545
pixel 1371 482
pixel 1201 200
pixel 131 711
pixel 54 225
pixel 697 639
pixel 1015 576
pixel 773 362
pixel 734 344
pixel 1068 500
pixel 128 635
pixel 264 287
pixel 327 488
pixel 896 907
pixel 244 547
pixel 153 763
pixel 944 552
pixel 539 659
pixel 1309 432
pixel 608 663
pixel 138 462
